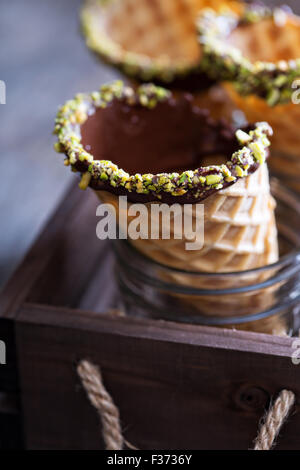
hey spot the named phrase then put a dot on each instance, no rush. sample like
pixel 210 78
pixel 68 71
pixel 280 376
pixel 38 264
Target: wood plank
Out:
pixel 51 239
pixel 20 286
pixel 158 329
pixel 177 386
pixel 76 255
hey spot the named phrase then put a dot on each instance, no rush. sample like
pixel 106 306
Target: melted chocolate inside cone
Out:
pixel 175 135
pixel 150 144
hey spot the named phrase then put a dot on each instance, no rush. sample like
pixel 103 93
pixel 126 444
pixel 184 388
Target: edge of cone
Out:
pixel 270 81
pixel 131 63
pixel 106 175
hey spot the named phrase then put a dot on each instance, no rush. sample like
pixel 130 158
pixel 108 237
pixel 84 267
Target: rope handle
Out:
pixel 274 419
pixel 91 379
pixel 99 397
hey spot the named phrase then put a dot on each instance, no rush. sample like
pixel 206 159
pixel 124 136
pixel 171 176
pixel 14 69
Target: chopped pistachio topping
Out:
pixel 258 151
pixel 85 180
pixel 239 171
pixel 221 60
pixel 58 147
pixel 213 179
pixel 243 137
pixel 104 174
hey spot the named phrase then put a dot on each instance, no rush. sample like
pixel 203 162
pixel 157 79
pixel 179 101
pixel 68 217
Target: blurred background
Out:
pixel 43 61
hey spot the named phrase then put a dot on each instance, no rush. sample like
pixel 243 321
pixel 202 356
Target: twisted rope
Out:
pixel 99 397
pixel 274 420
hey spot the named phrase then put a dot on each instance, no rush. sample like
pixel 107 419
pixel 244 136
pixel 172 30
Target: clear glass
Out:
pixel 264 300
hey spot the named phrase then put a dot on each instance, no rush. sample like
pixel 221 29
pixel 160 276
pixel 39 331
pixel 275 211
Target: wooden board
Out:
pixel 177 386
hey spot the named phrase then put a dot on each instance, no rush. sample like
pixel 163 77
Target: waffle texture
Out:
pixel 284 119
pixel 155 28
pixel 263 42
pixel 239 234
pixel 239 230
pixel 147 37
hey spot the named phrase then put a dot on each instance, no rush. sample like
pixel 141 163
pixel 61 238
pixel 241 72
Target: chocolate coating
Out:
pixel 173 136
pixel 146 143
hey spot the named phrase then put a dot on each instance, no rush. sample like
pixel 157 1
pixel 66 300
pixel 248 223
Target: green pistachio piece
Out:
pixel 213 179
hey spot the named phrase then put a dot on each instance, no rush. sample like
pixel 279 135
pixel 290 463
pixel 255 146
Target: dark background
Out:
pixel 43 61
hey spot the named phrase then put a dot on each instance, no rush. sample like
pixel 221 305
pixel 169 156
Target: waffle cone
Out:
pixel 264 41
pixel 284 119
pixel 148 38
pixel 239 230
pixel 239 234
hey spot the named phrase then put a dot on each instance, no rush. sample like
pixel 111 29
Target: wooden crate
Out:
pixel 177 386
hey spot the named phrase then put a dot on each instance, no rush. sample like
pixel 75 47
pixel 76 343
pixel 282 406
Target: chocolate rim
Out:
pixel 271 81
pixel 105 175
pixel 131 63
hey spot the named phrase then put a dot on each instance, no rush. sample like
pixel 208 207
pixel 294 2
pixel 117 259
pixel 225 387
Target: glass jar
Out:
pixel 264 300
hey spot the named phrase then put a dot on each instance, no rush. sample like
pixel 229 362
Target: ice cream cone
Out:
pixel 149 39
pixel 239 225
pixel 239 230
pixel 261 57
pixel 240 235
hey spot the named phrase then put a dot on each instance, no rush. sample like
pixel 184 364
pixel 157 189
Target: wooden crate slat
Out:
pixel 17 290
pixel 176 386
pixel 20 284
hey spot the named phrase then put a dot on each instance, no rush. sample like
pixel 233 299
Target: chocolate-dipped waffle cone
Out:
pixel 148 39
pixel 151 128
pixel 239 234
pixel 239 230
pixel 261 58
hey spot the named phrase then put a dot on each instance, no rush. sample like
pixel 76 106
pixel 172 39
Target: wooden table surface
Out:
pixel 43 62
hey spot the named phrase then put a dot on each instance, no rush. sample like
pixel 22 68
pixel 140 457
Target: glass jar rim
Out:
pixel 184 289
pixel 209 320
